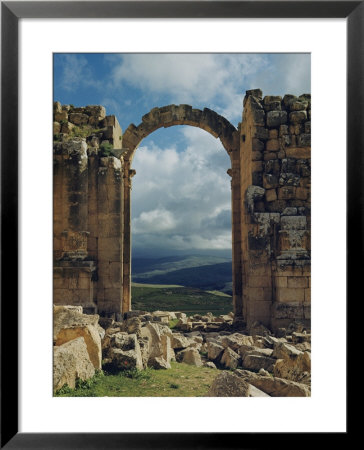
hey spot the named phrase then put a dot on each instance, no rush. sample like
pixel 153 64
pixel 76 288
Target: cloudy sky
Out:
pixel 181 192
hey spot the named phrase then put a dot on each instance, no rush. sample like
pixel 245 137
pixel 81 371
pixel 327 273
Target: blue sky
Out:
pixel 181 192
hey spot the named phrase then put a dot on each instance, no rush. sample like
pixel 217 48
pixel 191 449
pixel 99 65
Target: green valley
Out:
pixel 148 297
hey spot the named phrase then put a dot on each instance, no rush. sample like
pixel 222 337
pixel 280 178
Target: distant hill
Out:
pixel 203 272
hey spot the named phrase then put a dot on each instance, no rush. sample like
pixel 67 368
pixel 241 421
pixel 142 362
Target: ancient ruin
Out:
pixel 270 153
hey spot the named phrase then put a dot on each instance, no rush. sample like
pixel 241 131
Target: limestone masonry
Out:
pixel 270 172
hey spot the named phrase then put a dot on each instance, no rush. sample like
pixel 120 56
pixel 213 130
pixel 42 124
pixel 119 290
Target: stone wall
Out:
pixel 276 212
pixel 270 155
pixel 88 209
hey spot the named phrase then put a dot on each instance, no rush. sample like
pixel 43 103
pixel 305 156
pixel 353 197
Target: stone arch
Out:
pixel 220 128
pixel 171 115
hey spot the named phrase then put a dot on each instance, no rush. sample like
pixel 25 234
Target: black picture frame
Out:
pixel 11 12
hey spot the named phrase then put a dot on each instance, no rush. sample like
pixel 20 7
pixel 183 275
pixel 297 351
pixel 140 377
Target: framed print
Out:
pixel 29 68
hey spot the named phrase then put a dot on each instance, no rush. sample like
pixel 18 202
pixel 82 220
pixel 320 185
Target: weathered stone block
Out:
pixel 261 133
pixel 258 243
pixel 276 206
pixel 273 106
pixel 67 127
pixel 257 145
pixel 293 223
pixel 286 140
pixel 276 118
pixel 257 179
pixel 255 93
pixel 91 337
pixel 257 156
pixel 78 118
pixel 289 179
pixel 296 129
pixel 298 105
pixel 262 311
pixel 96 111
pixel 273 134
pixel 303 167
pixel 56 127
pixel 304 140
pixel 230 359
pixel 281 282
pixel 297 116
pixel 307 311
pixel 257 166
pixel 70 362
pixel 259 294
pixel 290 295
pixel 258 117
pixel 57 107
pixel 286 192
pixel 109 248
pixel 290 211
pixel 272 145
pixel 288 311
pixel 302 193
pixel 256 281
pixel 308 295
pixel 226 384
pixel 283 130
pixel 270 155
pixel 272 166
pixel 297 282
pixel 270 195
pixel 287 99
pixel 256 362
pixel 59 116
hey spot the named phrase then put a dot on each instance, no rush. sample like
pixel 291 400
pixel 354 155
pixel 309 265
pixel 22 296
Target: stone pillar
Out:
pixel 128 174
pixel 257 226
pixel 74 272
pixel 75 198
pixel 109 240
pixel 236 237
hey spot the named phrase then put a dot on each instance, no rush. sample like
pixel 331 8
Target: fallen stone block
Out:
pixel 92 339
pixel 126 359
pixel 190 356
pixel 214 351
pixel 226 384
pixel 256 362
pixel 70 362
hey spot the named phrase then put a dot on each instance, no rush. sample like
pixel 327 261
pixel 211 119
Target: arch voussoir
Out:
pixel 171 115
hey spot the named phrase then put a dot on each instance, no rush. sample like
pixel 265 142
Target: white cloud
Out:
pixel 76 72
pixel 218 81
pixel 155 221
pixel 181 199
pixel 193 78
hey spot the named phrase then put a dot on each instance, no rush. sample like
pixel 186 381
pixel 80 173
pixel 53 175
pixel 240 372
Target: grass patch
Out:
pixel 155 286
pixel 172 323
pixel 219 293
pixel 185 299
pixel 182 380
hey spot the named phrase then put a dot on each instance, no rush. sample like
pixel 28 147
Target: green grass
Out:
pixel 219 293
pixel 182 380
pixel 173 323
pixel 184 299
pixel 155 286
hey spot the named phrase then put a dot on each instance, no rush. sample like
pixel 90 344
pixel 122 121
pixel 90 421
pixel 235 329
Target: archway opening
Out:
pixel 181 223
